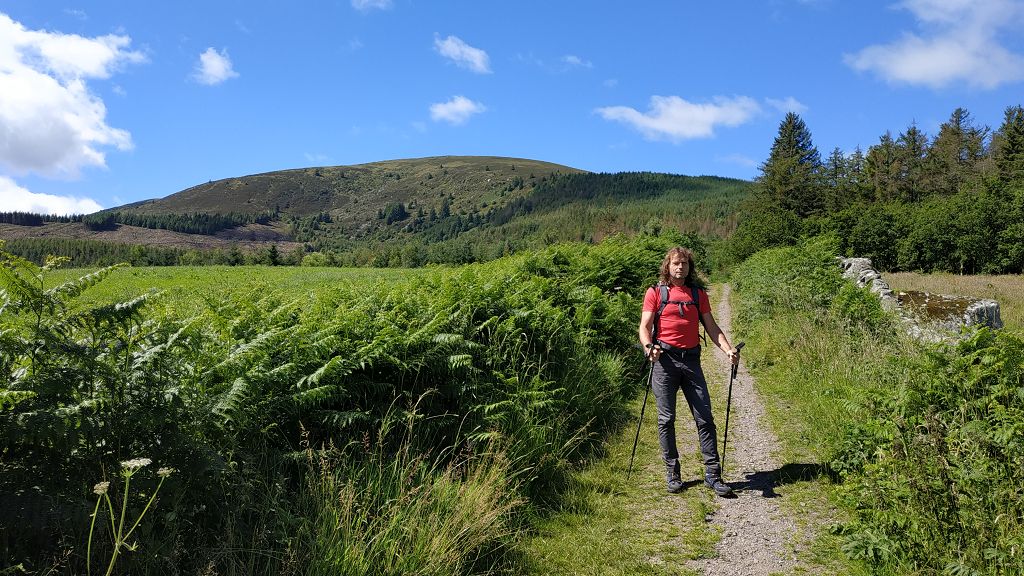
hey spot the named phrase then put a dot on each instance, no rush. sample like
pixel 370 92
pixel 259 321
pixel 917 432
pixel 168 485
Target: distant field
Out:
pixel 181 284
pixel 1008 290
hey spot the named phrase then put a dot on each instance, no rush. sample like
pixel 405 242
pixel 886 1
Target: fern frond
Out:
pixel 286 313
pixel 116 313
pixel 337 367
pixel 459 361
pixel 245 355
pixel 283 372
pixel 317 397
pixel 53 262
pixel 9 399
pixel 341 419
pixel 229 404
pixel 149 355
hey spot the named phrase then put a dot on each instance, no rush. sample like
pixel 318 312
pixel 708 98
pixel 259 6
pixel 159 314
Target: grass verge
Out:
pixel 611 525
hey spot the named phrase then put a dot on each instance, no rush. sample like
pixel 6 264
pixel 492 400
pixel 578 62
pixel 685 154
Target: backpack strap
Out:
pixel 696 302
pixel 663 290
pixel 694 293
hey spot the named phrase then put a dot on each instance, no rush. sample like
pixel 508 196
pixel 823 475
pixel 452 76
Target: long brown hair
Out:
pixel 691 274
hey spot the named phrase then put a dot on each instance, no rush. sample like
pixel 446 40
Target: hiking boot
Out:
pixel 675 485
pixel 720 487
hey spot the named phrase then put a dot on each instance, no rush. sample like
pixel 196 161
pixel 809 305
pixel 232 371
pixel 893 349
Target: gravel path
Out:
pixel 757 535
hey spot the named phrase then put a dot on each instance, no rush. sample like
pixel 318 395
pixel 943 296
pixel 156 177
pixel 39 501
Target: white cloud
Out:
pixel 50 122
pixel 463 54
pixel 573 61
pixel 787 104
pixel 455 111
pixel 672 118
pixel 14 198
pixel 214 67
pixel 367 5
pixel 959 41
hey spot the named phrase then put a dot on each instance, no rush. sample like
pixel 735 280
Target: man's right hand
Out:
pixel 653 352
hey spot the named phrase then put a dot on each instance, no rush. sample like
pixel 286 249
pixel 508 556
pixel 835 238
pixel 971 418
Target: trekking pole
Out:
pixel 641 421
pixel 728 405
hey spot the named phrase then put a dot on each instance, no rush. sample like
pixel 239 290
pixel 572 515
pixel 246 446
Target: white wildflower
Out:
pixel 135 463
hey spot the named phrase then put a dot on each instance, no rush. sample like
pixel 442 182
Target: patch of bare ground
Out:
pixel 249 237
pixel 759 536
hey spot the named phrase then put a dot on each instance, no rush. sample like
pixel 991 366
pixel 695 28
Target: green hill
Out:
pixel 451 209
pixel 356 193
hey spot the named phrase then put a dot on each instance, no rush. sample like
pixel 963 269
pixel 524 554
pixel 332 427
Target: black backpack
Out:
pixel 663 290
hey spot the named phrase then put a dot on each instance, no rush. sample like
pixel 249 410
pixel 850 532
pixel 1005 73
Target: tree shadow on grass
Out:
pixel 766 481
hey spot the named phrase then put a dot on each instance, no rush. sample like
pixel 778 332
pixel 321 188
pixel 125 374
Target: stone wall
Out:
pixel 927 316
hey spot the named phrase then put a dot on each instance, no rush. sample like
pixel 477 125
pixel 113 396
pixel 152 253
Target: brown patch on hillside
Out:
pixel 249 237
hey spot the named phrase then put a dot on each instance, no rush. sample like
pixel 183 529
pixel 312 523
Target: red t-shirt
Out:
pixel 673 329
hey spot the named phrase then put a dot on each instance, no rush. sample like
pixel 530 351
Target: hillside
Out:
pixel 452 209
pixel 354 194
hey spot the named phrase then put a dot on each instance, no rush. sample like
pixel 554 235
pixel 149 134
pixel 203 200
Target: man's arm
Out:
pixel 644 331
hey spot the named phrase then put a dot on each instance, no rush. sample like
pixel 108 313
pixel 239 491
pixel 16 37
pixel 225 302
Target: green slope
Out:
pixel 450 209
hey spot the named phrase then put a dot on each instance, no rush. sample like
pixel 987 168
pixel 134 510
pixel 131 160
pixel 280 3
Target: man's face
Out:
pixel 678 268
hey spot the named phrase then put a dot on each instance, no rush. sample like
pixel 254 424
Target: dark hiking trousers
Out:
pixel 679 370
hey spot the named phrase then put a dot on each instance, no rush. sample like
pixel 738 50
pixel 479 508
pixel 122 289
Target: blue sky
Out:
pixel 108 102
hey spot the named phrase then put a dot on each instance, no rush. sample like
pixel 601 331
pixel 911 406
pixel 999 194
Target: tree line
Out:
pixel 190 223
pixel 33 219
pixel 99 253
pixel 950 202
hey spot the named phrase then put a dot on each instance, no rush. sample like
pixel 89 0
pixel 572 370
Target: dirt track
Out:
pixel 757 534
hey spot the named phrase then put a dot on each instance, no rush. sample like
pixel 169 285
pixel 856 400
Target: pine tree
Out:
pixel 835 178
pixel 881 167
pixel 911 148
pixel 857 176
pixel 1008 146
pixel 955 153
pixel 790 178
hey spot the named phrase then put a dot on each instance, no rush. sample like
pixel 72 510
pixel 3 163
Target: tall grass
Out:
pixel 394 513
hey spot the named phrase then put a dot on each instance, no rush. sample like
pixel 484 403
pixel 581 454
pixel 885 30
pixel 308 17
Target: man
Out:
pixel 669 335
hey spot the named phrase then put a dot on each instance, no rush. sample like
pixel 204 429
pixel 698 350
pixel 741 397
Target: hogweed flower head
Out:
pixel 101 488
pixel 135 463
pixel 165 471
